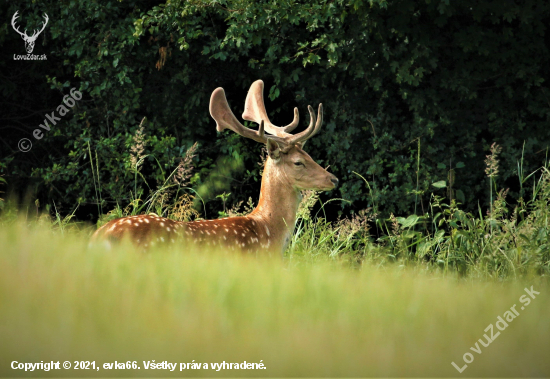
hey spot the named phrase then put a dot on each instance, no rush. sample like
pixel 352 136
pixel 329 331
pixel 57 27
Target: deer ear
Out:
pixel 273 150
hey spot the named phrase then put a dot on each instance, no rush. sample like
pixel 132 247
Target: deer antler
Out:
pixel 255 111
pixel 225 119
pixel 318 124
pixel 44 23
pixel 15 16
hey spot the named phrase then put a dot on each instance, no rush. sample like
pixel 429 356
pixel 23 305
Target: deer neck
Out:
pixel 277 206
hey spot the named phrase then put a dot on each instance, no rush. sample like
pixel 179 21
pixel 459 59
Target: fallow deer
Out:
pixel 288 170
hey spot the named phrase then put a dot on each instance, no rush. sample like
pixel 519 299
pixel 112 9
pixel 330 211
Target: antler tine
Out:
pixel 290 127
pixel 318 124
pixel 254 110
pixel 261 130
pixel 306 134
pixel 43 25
pixel 15 16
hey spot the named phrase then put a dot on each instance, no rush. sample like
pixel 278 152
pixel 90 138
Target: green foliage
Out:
pixel 502 244
pixel 452 77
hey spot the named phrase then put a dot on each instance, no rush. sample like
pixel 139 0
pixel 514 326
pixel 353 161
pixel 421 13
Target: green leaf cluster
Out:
pixel 407 86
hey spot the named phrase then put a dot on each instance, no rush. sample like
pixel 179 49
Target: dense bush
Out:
pixel 414 93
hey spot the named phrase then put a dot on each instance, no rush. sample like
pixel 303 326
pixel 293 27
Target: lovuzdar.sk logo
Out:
pixel 29 40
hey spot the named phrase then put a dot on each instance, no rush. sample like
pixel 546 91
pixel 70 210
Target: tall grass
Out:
pixel 62 301
pixel 341 303
pixel 506 242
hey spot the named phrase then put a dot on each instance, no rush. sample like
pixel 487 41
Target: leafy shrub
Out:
pixel 414 93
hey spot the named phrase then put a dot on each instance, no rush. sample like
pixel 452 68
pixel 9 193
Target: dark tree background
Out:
pixel 414 92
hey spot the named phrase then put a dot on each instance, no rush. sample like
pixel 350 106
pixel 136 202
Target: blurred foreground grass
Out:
pixel 60 301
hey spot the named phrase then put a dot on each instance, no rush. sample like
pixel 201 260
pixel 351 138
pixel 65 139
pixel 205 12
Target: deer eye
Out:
pixel 297 164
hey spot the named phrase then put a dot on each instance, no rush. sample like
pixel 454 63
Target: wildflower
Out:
pixel 309 199
pixel 138 147
pixel 359 222
pixel 492 161
pixel 395 224
pixel 183 209
pixel 185 167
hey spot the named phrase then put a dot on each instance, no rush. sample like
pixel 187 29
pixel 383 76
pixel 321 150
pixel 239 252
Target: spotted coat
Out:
pixel 236 233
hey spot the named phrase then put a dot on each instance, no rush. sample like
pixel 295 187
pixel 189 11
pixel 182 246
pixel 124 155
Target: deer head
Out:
pixel 291 163
pixel 29 40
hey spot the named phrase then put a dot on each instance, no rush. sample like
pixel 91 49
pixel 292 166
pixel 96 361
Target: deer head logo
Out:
pixel 29 40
